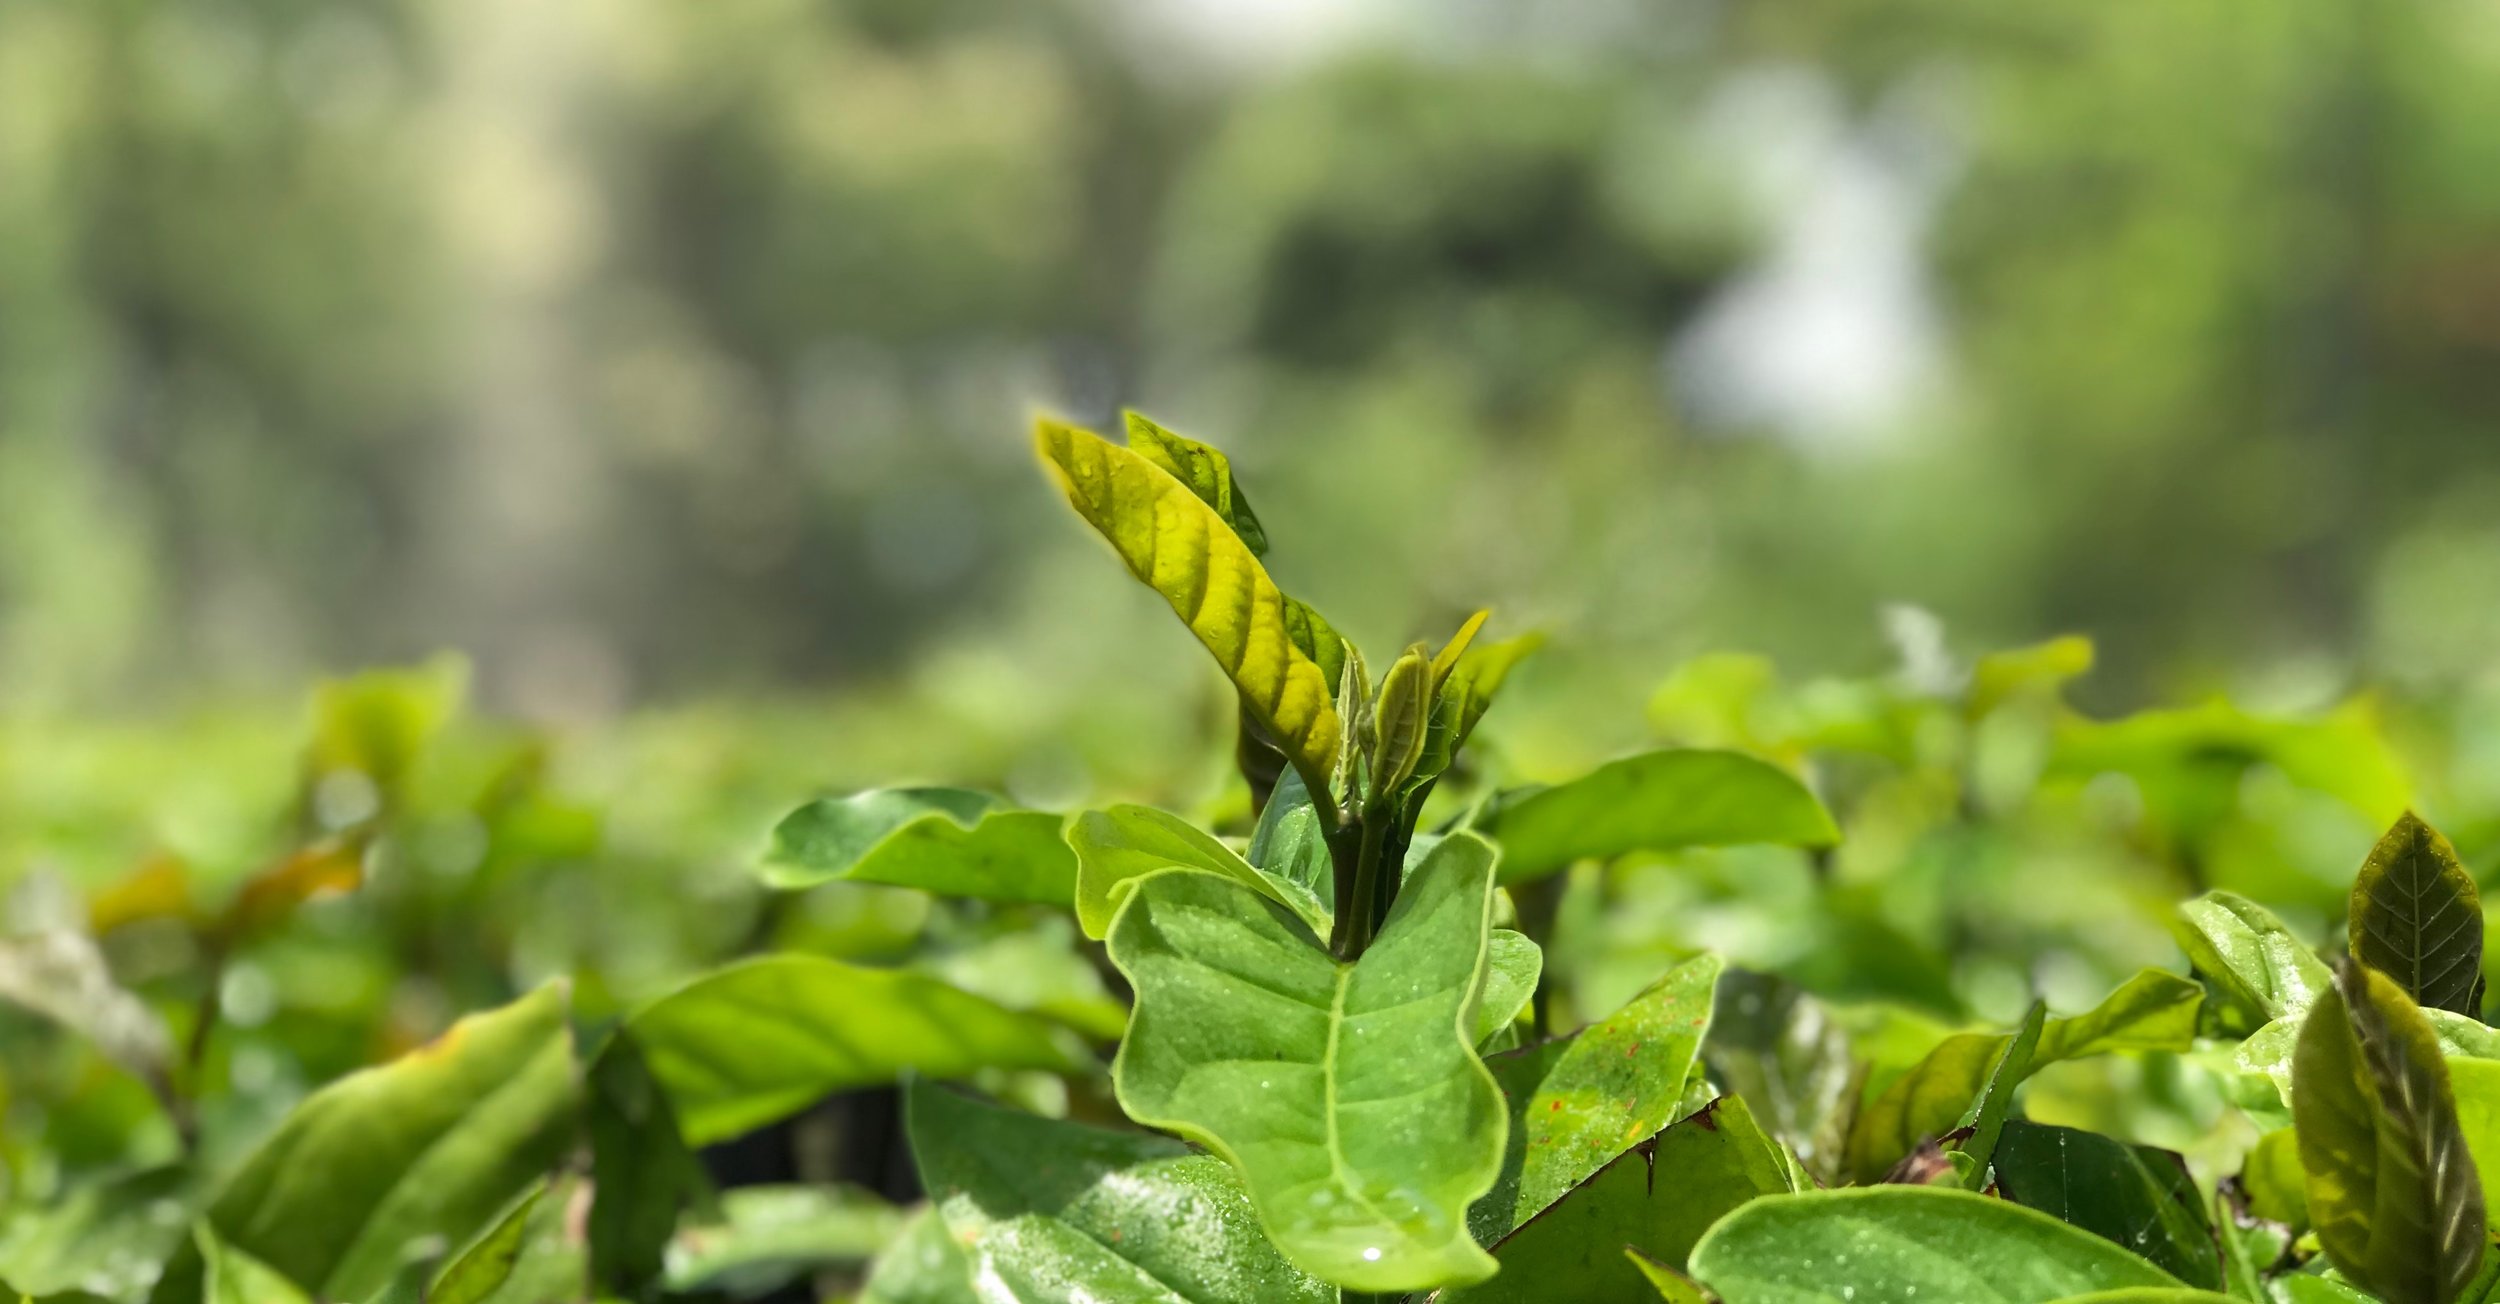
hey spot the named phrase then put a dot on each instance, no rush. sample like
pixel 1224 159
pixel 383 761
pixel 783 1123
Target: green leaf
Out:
pixel 2244 950
pixel 1672 1286
pixel 769 1236
pixel 1347 1094
pixel 1117 847
pixel 2252 1248
pixel 1202 467
pixel 2278 1191
pixel 1038 967
pixel 641 1171
pixel 2392 1188
pixel 2303 1288
pixel 2269 1050
pixel 1906 1245
pixel 1577 1103
pixel 2417 918
pixel 1182 549
pixel 2151 1295
pixel 107 1235
pixel 2134 1196
pixel 1289 846
pixel 1058 1213
pixel 761 1039
pixel 230 1276
pixel 2151 1011
pixel 1657 801
pixel 1656 1198
pixel 1984 1121
pixel 1784 1053
pixel 433 1144
pixel 924 1265
pixel 1512 965
pixel 943 840
pixel 2040 669
pixel 484 1267
pixel 1468 682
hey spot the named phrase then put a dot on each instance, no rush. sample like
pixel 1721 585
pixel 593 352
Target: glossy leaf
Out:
pixel 1059 1213
pixel 1347 1094
pixel 1115 848
pixel 1657 801
pixel 761 1039
pixel 484 1267
pixel 2417 918
pixel 768 1236
pixel 1202 467
pixel 1657 1198
pixel 2133 1196
pixel 944 840
pixel 1512 965
pixel 1576 1103
pixel 1182 549
pixel 2151 1011
pixel 1290 846
pixel 433 1144
pixel 2257 962
pixel 1906 1245
pixel 923 1265
pixel 2392 1188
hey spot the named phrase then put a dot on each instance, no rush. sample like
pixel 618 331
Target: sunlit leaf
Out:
pixel 1512 966
pixel 761 1039
pixel 768 1236
pixel 484 1267
pixel 2246 951
pixel 1202 467
pixel 230 1276
pixel 1117 847
pixel 1982 1123
pixel 1908 1243
pixel 106 1235
pixel 2041 668
pixel 2417 918
pixel 2134 1196
pixel 944 840
pixel 1658 1197
pixel 1182 549
pixel 1657 801
pixel 2151 1011
pixel 1347 1094
pixel 923 1265
pixel 1058 1213
pixel 2392 1188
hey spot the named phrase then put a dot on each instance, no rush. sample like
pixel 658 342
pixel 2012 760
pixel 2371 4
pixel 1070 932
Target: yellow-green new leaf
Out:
pixel 1202 467
pixel 2417 918
pixel 2392 1189
pixel 1183 549
pixel 1348 1095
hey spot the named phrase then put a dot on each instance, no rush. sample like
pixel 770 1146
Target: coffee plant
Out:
pixel 1375 1026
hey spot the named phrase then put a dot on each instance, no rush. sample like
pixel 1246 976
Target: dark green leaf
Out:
pixel 1347 1094
pixel 1657 801
pixel 2135 1196
pixel 2392 1188
pixel 1657 1198
pixel 1057 1213
pixel 944 840
pixel 1908 1245
pixel 641 1171
pixel 761 1039
pixel 1790 1060
pixel 2417 918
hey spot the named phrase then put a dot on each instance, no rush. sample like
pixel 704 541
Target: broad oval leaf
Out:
pixel 1115 848
pixel 1656 1198
pixel 2132 1196
pixel 1578 1102
pixel 1908 1245
pixel 1657 801
pixel 2251 955
pixel 1059 1213
pixel 1202 467
pixel 2151 1011
pixel 945 840
pixel 1182 549
pixel 761 1039
pixel 433 1144
pixel 2392 1189
pixel 2417 918
pixel 1348 1095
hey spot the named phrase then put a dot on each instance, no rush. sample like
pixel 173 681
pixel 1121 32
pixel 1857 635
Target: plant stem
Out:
pixel 1361 900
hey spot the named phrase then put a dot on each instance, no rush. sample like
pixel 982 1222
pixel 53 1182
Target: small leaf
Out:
pixel 2278 1191
pixel 270 897
pixel 943 840
pixel 1181 548
pixel 2243 949
pixel 761 1039
pixel 1202 467
pixel 1657 801
pixel 641 1171
pixel 2417 918
pixel 2134 1196
pixel 1576 1103
pixel 1057 1213
pixel 1672 1286
pixel 2041 668
pixel 769 1236
pixel 923 1265
pixel 2151 1011
pixel 483 1268
pixel 230 1276
pixel 1984 1121
pixel 1512 966
pixel 1117 847
pixel 1346 1094
pixel 1904 1243
pixel 1402 716
pixel 2392 1188
pixel 1290 846
pixel 1656 1198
